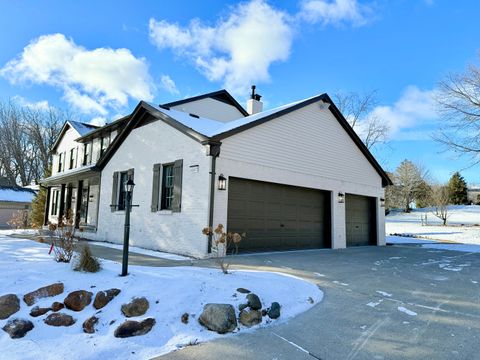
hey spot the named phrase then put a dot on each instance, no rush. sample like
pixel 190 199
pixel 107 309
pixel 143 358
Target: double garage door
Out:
pixel 280 217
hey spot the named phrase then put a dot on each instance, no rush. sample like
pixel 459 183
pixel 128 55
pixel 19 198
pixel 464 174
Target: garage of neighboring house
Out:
pixel 360 218
pixel 278 217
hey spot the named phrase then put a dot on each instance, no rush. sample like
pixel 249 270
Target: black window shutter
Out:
pixel 177 185
pixel 156 187
pixel 114 192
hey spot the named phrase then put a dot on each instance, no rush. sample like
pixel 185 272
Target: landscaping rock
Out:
pixel 250 317
pixel 274 311
pixel 9 305
pixel 134 328
pixel 18 328
pixel 218 317
pixel 78 300
pixel 185 318
pixel 89 325
pixel 242 306
pixel 104 297
pixel 136 307
pixel 243 291
pixel 57 306
pixel 38 311
pixel 43 292
pixel 59 319
pixel 254 302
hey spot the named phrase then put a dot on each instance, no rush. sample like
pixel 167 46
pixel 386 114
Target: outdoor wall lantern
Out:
pixel 222 182
pixel 128 186
pixel 341 198
pixel 382 202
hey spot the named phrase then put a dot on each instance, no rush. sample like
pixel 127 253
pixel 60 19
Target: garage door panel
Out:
pixel 360 220
pixel 277 217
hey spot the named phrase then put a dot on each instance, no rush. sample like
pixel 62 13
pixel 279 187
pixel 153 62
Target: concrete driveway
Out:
pixel 368 311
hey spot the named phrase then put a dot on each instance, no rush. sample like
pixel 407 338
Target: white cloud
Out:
pixel 168 84
pixel 92 80
pixel 36 105
pixel 334 12
pixel 414 108
pixel 237 50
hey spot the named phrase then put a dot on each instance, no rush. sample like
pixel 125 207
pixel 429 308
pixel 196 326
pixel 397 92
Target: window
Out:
pixel 72 158
pixel 86 153
pixel 60 162
pixel 121 191
pixel 54 202
pixel 118 189
pixel 104 142
pixel 167 187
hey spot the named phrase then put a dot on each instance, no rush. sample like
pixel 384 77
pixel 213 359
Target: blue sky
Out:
pixel 99 58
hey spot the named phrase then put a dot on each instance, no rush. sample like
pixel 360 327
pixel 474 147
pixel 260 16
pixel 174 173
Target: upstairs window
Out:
pixel 86 153
pixel 60 162
pixel 72 159
pixel 105 141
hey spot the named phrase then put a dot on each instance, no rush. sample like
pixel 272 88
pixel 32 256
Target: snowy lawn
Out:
pixel 26 266
pixel 462 226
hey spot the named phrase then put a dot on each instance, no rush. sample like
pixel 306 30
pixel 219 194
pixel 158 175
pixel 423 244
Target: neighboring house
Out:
pixel 12 200
pixel 294 177
pixel 473 194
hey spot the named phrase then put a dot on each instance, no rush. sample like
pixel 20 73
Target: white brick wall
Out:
pixel 174 232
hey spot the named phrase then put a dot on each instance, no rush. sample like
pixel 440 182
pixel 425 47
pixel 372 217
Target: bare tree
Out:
pixel 26 137
pixel 440 199
pixel 358 110
pixel 458 98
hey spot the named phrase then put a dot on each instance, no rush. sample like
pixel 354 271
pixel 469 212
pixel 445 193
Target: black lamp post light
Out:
pixel 129 185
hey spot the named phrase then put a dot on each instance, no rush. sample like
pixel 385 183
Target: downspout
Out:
pixel 214 152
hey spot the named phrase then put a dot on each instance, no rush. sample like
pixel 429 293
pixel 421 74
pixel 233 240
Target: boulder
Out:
pixel 274 311
pixel 57 306
pixel 104 297
pixel 242 306
pixel 78 300
pixel 17 328
pixel 89 325
pixel 250 317
pixel 218 317
pixel 243 291
pixel 9 305
pixel 254 302
pixel 134 328
pixel 59 319
pixel 38 311
pixel 43 292
pixel 136 307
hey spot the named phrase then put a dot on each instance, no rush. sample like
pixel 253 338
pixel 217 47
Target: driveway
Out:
pixel 395 302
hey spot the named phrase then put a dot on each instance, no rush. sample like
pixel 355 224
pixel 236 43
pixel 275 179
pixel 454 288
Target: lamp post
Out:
pixel 128 187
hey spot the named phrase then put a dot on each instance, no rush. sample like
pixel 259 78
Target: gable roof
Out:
pixel 119 123
pixel 220 95
pixel 81 128
pixel 206 130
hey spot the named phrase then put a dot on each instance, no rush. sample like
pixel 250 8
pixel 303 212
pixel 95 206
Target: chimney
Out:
pixel 254 105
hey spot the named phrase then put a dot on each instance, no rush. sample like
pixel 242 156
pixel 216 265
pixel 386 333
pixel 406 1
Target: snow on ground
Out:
pixel 139 250
pixel 25 265
pixel 462 226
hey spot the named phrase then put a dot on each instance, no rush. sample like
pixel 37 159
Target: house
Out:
pixel 293 177
pixel 473 194
pixel 14 199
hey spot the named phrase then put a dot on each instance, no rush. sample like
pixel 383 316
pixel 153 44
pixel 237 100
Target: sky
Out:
pixel 98 59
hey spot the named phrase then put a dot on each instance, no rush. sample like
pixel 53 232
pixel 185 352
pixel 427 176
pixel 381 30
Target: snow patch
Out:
pixel 406 311
pixel 384 293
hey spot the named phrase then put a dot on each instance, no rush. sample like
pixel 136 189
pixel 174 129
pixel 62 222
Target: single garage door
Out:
pixel 278 217
pixel 360 220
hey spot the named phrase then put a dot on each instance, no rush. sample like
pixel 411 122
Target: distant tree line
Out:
pixel 27 135
pixel 412 186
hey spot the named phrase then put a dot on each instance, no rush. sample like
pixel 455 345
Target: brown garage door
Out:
pixel 360 220
pixel 278 217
